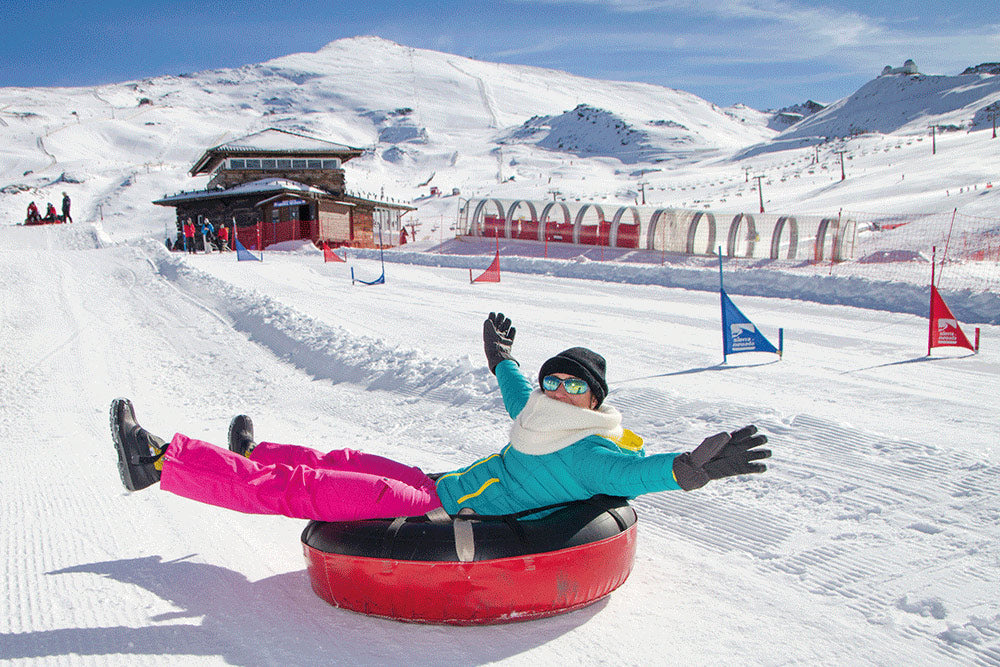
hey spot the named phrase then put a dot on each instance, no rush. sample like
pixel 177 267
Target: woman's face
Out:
pixel 585 400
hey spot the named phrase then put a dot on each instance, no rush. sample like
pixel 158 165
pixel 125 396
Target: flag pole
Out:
pixel 722 307
pixel 381 249
pixel 947 242
pixel 930 308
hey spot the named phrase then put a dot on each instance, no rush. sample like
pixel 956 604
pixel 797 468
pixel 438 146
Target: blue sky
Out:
pixel 764 53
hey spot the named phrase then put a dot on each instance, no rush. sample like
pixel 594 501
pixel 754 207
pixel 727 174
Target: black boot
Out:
pixel 241 435
pixel 138 449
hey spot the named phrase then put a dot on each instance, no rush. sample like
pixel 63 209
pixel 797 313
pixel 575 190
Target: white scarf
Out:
pixel 546 425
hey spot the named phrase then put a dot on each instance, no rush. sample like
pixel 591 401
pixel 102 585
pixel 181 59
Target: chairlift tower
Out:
pixel 841 154
pixel 760 191
pixel 992 111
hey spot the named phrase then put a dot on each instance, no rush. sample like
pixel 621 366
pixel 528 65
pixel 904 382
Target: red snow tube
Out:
pixel 410 569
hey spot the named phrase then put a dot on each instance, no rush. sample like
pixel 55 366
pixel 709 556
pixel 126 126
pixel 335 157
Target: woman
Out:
pixel 188 230
pixel 565 444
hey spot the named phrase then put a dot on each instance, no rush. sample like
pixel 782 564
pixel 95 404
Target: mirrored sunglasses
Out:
pixel 572 385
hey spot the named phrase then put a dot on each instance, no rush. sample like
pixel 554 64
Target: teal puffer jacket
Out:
pixel 511 481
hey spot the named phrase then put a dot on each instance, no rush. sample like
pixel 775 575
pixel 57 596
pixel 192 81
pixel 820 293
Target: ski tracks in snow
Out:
pixel 484 94
pixel 897 508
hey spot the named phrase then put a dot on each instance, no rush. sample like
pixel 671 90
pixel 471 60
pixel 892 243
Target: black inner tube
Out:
pixel 418 539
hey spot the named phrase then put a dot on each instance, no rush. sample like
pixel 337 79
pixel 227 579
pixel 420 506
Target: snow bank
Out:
pixel 896 297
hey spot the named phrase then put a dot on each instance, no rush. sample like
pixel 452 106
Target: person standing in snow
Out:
pixel 65 208
pixel 207 234
pixel 566 444
pixel 188 230
pixel 223 237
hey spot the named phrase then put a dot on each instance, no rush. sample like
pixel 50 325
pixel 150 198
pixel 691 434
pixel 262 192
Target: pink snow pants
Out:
pixel 299 482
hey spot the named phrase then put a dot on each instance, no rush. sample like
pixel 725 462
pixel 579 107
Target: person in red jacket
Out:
pixel 189 235
pixel 33 216
pixel 224 236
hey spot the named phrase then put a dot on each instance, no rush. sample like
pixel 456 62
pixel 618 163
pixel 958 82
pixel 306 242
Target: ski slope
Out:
pixel 872 539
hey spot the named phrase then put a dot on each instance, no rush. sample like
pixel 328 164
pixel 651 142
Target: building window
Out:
pixel 280 164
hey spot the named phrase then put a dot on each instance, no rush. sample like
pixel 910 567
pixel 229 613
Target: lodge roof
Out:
pixel 273 186
pixel 273 142
pixel 264 185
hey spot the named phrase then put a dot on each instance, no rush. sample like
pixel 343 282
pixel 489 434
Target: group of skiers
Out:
pixel 194 236
pixel 33 217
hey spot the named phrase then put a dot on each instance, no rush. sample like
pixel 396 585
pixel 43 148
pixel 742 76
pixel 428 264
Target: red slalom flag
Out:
pixel 944 328
pixel 492 272
pixel 490 275
pixel 330 255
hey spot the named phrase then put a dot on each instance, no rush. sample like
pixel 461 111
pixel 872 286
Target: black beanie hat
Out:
pixel 582 363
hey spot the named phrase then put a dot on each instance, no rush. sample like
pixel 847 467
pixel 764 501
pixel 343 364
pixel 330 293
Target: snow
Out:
pixel 872 539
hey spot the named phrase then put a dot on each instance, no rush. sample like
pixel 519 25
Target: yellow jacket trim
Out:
pixel 628 440
pixel 465 470
pixel 476 493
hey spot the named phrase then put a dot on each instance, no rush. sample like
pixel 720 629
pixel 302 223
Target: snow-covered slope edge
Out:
pixel 967 306
pixel 325 352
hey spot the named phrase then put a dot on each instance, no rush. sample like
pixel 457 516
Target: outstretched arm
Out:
pixel 603 470
pixel 722 455
pixel 498 337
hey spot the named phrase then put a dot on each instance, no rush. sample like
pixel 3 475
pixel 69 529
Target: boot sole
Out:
pixel 234 445
pixel 133 477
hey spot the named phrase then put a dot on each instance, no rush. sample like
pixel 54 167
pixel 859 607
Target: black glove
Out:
pixel 722 455
pixel 498 336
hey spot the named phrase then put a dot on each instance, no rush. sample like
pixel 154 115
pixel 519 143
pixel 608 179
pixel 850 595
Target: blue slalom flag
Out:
pixel 243 255
pixel 378 281
pixel 738 333
pixel 381 254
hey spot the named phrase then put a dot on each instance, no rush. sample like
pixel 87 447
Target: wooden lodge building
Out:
pixel 276 185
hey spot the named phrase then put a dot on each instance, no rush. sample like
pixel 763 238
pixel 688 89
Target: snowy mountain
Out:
pixel 482 128
pixel 418 112
pixel 906 104
pixel 589 132
pixel 794 113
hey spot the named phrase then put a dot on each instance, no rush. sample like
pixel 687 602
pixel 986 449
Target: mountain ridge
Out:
pixel 478 127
